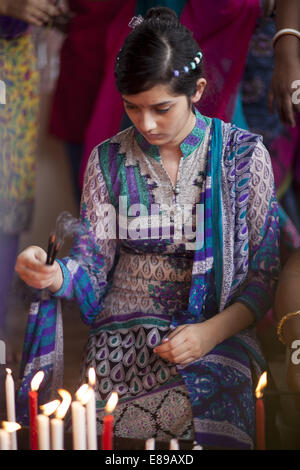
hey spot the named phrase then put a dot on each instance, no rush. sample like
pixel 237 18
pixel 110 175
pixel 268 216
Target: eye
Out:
pixel 130 106
pixel 162 110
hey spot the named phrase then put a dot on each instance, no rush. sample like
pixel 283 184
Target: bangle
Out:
pixel 285 31
pixel 282 322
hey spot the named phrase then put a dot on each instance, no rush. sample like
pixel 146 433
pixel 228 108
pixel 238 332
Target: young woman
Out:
pixel 176 260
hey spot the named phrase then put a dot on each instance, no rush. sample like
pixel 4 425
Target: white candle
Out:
pixel 43 425
pixel 150 444
pixel 91 412
pixel 57 434
pixel 91 421
pixel 197 446
pixel 10 405
pixel 78 426
pixel 4 440
pixel 57 423
pixel 174 444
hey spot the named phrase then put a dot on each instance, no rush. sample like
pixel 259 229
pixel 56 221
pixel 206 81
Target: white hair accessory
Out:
pixel 135 21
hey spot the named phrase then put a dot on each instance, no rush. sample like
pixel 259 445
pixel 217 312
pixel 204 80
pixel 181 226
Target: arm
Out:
pixel 83 275
pixel 94 247
pixel 288 300
pixel 189 342
pixel 259 288
pixel 287 62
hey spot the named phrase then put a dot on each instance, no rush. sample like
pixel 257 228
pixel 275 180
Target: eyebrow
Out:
pixel 155 104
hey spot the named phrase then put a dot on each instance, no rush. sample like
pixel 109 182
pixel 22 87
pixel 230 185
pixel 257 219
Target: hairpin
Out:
pixel 196 61
pixel 135 21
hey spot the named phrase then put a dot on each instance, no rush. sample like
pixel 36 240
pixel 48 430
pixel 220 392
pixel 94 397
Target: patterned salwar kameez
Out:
pixel 137 273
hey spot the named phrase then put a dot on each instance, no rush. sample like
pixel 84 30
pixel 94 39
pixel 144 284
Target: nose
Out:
pixel 147 122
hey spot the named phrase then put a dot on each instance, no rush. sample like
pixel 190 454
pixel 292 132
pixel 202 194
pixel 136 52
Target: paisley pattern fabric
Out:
pixel 136 279
pixel 18 133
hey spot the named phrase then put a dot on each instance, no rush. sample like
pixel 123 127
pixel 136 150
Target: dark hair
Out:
pixel 153 51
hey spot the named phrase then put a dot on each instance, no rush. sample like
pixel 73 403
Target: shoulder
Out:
pixel 235 137
pixel 117 141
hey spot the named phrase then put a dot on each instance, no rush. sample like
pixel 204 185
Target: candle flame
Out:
pixel 261 385
pixel 112 402
pixel 83 394
pixel 9 426
pixel 8 371
pixel 37 380
pixel 64 406
pixel 49 408
pixel 92 376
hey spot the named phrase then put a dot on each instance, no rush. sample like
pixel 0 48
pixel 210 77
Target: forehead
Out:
pixel 156 95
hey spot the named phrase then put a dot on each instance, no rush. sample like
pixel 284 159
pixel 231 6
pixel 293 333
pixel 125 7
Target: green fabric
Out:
pixel 143 5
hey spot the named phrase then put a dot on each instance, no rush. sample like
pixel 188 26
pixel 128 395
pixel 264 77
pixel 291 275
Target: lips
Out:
pixel 153 136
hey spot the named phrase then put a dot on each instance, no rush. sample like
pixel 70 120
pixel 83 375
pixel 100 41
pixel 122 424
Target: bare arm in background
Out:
pixel 288 300
pixel 286 63
pixel 36 12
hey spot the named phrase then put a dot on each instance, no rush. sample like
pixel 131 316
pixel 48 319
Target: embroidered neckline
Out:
pixel 190 143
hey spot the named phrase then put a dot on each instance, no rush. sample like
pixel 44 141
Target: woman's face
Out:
pixel 160 116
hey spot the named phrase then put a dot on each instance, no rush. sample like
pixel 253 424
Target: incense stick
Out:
pixel 50 247
pixel 53 247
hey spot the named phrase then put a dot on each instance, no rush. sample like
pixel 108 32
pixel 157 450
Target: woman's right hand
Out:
pixel 33 270
pixel 36 12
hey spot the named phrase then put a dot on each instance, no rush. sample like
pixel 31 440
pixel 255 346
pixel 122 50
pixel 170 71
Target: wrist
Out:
pixel 58 281
pixel 287 48
pixel 289 328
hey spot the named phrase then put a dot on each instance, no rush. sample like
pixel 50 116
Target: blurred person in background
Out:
pixel 18 132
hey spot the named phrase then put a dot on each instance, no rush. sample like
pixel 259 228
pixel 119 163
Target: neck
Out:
pixel 186 130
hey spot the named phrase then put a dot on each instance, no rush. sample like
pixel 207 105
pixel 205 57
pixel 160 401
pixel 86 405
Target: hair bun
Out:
pixel 161 15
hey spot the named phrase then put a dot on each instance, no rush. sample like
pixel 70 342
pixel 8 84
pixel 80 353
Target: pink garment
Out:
pixel 87 55
pixel 223 29
pixel 108 108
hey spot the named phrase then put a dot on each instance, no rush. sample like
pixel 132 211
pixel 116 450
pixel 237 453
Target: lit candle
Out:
pixel 57 424
pixel 150 444
pixel 174 445
pixel 196 446
pixel 33 409
pixel 260 413
pixel 43 424
pixel 43 429
pixel 4 440
pixel 108 422
pixel 79 426
pixel 91 413
pixel 10 405
pixel 8 428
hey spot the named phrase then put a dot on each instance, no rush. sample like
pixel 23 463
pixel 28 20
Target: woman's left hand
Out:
pixel 187 343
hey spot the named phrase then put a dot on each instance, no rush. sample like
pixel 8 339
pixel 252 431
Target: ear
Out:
pixel 201 84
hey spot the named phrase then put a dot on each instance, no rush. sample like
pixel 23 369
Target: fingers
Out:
pixel 32 270
pixel 179 347
pixel 37 12
pixel 46 7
